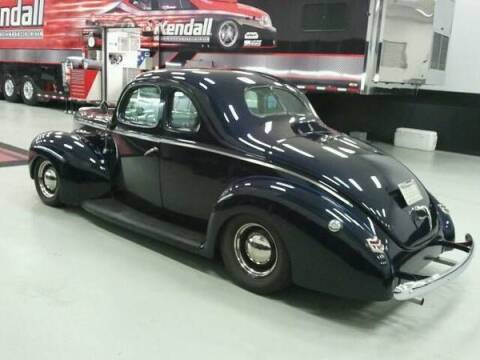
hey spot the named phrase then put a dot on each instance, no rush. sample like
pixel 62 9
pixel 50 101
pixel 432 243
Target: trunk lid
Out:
pixel 367 177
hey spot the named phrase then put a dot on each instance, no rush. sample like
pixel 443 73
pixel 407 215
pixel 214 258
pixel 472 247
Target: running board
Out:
pixel 120 214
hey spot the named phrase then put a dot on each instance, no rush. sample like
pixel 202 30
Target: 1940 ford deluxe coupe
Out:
pixel 238 165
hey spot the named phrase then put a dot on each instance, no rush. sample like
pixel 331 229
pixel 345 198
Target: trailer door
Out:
pixel 413 42
pixel 442 31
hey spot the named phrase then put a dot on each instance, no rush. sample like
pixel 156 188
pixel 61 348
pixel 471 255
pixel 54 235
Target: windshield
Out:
pixel 145 5
pixel 149 5
pixel 266 101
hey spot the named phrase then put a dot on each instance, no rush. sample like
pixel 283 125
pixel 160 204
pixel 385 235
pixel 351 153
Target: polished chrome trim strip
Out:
pixel 44 56
pixel 194 145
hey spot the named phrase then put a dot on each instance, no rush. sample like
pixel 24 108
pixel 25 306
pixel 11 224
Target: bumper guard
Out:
pixel 414 290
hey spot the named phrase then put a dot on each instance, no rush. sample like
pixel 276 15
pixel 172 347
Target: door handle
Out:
pixel 152 151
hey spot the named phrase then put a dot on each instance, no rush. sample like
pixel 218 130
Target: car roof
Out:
pixel 205 78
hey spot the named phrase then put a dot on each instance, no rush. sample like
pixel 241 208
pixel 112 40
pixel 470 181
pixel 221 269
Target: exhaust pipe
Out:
pixel 417 301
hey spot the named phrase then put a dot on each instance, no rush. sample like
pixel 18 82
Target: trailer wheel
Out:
pixel 29 91
pixel 9 89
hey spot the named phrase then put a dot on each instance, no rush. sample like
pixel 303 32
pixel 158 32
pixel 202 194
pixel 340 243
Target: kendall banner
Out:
pixel 16 18
pixel 192 31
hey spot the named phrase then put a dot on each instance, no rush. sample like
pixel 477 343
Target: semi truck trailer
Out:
pixel 86 50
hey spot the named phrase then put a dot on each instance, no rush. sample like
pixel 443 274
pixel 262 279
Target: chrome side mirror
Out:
pixel 110 125
pixel 104 107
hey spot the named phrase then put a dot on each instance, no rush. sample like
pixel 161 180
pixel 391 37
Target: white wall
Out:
pixel 463 63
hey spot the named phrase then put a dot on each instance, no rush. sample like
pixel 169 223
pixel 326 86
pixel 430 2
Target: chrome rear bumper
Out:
pixel 414 290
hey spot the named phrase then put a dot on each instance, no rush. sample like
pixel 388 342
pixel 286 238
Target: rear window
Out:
pixel 267 101
pixel 325 17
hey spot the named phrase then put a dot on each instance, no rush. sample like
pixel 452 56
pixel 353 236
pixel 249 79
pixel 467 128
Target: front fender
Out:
pixel 339 263
pixel 84 169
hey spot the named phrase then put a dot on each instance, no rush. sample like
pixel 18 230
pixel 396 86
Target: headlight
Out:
pixel 266 21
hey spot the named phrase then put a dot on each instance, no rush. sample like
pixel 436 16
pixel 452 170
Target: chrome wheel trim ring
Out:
pixel 255 250
pixel 9 87
pixel 28 90
pixel 47 178
pixel 228 34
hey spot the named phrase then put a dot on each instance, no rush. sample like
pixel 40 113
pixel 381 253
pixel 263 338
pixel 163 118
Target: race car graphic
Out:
pixel 218 24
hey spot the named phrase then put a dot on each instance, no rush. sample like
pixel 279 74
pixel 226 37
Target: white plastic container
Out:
pixel 416 139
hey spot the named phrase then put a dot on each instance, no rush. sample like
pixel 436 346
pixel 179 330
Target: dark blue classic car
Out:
pixel 238 165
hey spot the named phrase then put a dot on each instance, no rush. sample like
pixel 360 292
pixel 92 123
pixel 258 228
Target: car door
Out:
pixel 192 178
pixel 137 134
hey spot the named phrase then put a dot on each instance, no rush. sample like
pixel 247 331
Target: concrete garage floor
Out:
pixel 72 287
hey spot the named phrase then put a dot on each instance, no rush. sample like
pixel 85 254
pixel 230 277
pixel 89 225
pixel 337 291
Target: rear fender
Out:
pixel 446 222
pixel 339 263
pixel 85 170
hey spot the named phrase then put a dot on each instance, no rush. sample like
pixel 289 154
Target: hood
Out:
pixel 360 172
pixel 94 116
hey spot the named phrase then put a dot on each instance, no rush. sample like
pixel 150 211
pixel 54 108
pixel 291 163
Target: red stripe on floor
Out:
pixel 11 156
pixel 6 158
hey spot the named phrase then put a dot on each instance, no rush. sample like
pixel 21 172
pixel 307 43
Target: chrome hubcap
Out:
pixel 258 249
pixel 255 250
pixel 28 90
pixel 228 34
pixel 9 87
pixel 47 179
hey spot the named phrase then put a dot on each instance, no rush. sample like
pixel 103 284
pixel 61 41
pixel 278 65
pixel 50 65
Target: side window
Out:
pixel 184 115
pixel 143 108
pixel 326 16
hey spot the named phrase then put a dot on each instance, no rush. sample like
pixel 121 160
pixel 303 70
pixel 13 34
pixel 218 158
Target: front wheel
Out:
pixel 254 254
pixel 229 35
pixel 47 182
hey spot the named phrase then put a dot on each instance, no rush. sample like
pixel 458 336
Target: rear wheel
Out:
pixel 47 182
pixel 29 92
pixel 9 89
pixel 254 254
